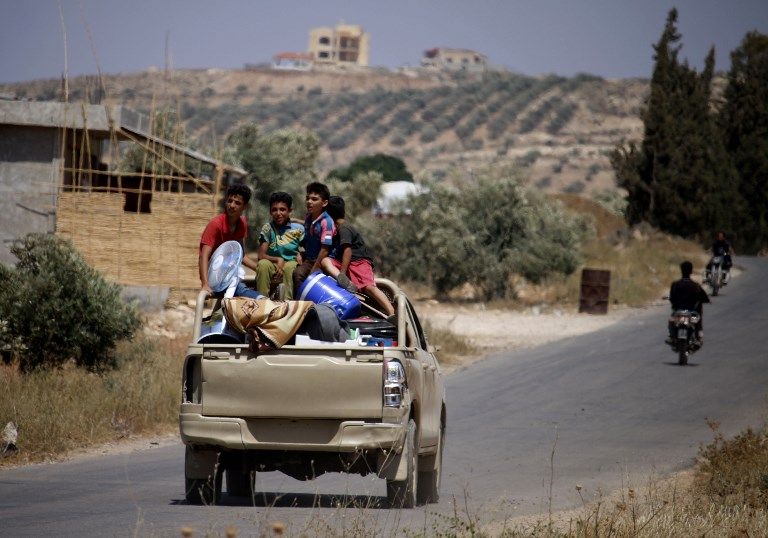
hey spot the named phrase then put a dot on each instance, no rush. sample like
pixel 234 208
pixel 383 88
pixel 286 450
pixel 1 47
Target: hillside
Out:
pixel 560 128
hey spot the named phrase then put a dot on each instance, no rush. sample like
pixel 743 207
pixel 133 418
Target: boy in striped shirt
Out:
pixel 318 233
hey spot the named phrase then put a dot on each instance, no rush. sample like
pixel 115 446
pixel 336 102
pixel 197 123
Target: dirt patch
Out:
pixel 492 330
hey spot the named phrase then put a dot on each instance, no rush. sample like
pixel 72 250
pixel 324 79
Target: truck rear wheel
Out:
pixel 202 476
pixel 238 482
pixel 402 493
pixel 429 477
pixel 203 490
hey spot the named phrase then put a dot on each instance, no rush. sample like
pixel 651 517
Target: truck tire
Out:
pixel 205 464
pixel 238 482
pixel 428 491
pixel 402 493
pixel 203 490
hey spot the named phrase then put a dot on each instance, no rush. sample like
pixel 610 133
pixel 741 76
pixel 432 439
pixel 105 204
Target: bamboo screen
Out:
pixel 138 224
pixel 141 249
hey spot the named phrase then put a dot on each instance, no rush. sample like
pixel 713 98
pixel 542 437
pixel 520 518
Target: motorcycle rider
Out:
pixel 685 294
pixel 721 247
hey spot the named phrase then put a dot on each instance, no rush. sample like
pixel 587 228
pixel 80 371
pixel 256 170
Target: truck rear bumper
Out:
pixel 284 434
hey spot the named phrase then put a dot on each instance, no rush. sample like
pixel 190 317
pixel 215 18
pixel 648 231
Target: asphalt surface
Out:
pixel 600 410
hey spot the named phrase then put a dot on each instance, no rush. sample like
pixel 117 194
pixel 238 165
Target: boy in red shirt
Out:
pixel 228 226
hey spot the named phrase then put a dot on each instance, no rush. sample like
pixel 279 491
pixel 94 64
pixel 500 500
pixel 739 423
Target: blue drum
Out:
pixel 321 288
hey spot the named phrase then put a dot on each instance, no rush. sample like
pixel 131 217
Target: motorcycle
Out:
pixel 683 334
pixel 715 276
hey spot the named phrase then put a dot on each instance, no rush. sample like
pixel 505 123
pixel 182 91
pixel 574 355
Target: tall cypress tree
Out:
pixel 637 169
pixel 675 178
pixel 744 120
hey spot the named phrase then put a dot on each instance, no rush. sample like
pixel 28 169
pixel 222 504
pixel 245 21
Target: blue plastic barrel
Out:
pixel 320 288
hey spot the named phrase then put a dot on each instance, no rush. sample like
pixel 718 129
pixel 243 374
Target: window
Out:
pixel 417 327
pixel 322 54
pixel 324 40
pixel 138 202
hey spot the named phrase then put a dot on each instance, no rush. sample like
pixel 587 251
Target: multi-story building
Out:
pixel 342 45
pixel 454 59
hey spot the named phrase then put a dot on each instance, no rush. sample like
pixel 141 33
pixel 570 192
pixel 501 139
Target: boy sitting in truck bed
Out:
pixel 228 226
pixel 318 233
pixel 279 242
pixel 350 261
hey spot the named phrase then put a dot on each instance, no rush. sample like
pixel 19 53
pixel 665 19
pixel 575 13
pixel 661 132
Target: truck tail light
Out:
pixel 394 383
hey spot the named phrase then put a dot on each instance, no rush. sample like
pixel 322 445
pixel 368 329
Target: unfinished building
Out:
pixel 339 46
pixel 63 170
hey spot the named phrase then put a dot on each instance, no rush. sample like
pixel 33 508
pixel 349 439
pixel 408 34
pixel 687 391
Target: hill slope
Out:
pixel 560 128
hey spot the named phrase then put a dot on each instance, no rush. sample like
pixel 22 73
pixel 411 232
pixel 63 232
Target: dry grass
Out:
pixel 643 262
pixel 452 347
pixel 59 411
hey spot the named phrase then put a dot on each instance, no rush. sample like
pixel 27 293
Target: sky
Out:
pixel 609 38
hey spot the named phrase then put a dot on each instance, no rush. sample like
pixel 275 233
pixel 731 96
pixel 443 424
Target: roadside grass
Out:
pixel 57 411
pixel 643 262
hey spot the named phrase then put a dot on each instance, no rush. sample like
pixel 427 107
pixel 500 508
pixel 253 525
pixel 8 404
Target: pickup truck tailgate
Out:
pixel 292 386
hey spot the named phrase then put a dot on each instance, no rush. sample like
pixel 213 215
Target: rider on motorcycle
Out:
pixel 685 294
pixel 721 247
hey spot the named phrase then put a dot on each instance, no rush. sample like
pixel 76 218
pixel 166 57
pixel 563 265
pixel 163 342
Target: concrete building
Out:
pixel 59 174
pixel 342 45
pixel 454 60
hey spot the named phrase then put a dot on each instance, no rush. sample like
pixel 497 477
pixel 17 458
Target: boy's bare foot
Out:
pixel 346 283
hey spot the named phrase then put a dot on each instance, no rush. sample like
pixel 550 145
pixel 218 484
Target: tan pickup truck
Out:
pixel 313 407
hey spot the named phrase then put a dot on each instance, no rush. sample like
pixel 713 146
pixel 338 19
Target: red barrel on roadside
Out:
pixel 595 291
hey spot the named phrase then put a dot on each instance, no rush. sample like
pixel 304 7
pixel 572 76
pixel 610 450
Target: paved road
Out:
pixel 611 404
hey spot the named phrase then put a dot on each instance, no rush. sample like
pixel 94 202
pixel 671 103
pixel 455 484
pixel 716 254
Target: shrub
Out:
pixel 576 187
pixel 428 133
pixel 57 308
pixel 480 235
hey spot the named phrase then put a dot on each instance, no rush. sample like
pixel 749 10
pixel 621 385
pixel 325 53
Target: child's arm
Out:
pixel 202 263
pixel 277 260
pixel 346 258
pixel 323 254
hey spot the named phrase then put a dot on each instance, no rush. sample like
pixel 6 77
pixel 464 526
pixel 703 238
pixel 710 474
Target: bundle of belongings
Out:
pixel 271 324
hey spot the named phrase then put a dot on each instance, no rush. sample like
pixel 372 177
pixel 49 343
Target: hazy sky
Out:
pixel 611 38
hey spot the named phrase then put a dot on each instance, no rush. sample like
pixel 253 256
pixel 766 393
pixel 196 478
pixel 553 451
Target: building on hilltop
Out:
pixel 454 60
pixel 60 173
pixel 342 45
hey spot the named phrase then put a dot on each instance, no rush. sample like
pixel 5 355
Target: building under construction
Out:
pixel 62 170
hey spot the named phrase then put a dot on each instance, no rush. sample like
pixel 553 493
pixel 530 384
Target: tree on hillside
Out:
pixel 281 160
pixel 744 120
pixel 391 168
pixel 359 195
pixel 679 178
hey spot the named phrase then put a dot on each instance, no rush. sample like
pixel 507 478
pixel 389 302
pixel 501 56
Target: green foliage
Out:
pixel 360 194
pixel 745 127
pixel 281 160
pixel 480 234
pixel 680 178
pixel 391 168
pixel 55 308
